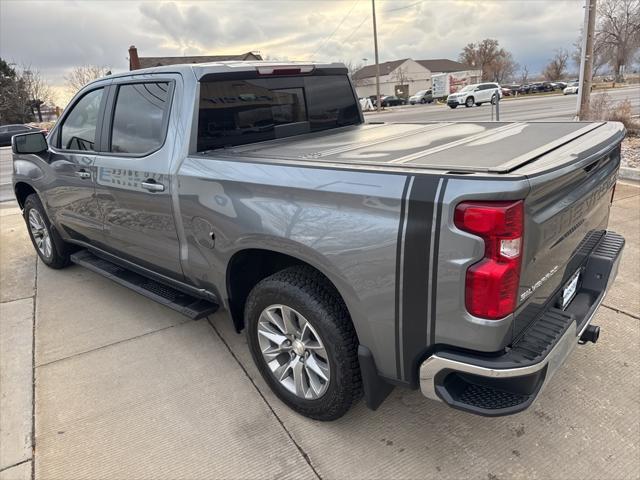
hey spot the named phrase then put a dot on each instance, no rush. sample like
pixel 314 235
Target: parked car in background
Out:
pixel 8 131
pixel 393 101
pixel 423 96
pixel 559 85
pixel 524 89
pixel 571 89
pixel 541 87
pixel 512 89
pixel 475 94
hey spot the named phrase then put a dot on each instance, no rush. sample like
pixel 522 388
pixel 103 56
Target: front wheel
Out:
pixel 453 106
pixel 469 102
pixel 303 342
pixel 50 248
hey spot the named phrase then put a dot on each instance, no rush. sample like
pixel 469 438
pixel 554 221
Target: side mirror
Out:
pixel 29 143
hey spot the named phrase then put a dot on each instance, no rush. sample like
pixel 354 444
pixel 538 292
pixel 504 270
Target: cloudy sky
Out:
pixel 53 36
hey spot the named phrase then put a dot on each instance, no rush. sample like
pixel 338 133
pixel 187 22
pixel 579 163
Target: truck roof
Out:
pixel 201 69
pixel 492 147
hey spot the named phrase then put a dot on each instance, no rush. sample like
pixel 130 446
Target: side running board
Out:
pixel 184 303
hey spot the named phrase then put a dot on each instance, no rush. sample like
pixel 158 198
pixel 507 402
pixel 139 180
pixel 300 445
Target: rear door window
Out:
pixel 139 117
pixel 237 112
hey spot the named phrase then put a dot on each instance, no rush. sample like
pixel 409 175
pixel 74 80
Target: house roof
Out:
pixel 369 71
pixel 148 62
pixel 444 65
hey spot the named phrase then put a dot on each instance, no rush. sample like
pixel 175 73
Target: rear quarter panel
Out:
pixel 344 223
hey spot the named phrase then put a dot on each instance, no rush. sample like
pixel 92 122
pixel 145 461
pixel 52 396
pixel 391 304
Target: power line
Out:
pixel 336 29
pixel 356 30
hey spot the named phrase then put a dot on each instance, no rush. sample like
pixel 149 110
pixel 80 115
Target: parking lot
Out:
pixel 532 107
pixel 125 388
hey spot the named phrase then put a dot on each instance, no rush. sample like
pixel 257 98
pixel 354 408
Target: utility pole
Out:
pixel 586 62
pixel 375 46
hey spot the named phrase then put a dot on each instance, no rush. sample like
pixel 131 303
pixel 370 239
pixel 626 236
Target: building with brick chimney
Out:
pixel 136 62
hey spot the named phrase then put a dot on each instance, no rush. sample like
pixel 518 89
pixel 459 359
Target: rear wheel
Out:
pixel 50 247
pixel 469 102
pixel 494 99
pixel 303 343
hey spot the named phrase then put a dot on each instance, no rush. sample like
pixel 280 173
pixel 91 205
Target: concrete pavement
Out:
pixel 125 388
pixel 6 192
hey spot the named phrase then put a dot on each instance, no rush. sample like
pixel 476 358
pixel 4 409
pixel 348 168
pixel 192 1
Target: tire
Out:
pixel 315 308
pixel 49 246
pixel 453 106
pixel 469 102
pixel 493 100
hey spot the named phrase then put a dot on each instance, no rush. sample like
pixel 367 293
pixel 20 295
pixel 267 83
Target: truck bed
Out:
pixel 470 147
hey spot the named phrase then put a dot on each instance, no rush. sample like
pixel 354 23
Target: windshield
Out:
pixel 420 93
pixel 468 88
pixel 573 84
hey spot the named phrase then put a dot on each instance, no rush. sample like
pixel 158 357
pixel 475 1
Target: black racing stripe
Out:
pixel 398 270
pixel 415 284
pixel 434 277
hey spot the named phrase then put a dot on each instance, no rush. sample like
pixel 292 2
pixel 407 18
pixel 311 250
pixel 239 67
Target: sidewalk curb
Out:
pixel 628 173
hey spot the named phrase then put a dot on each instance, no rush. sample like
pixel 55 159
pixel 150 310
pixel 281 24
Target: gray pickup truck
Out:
pixel 463 259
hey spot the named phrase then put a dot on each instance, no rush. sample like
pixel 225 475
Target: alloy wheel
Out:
pixel 293 351
pixel 40 233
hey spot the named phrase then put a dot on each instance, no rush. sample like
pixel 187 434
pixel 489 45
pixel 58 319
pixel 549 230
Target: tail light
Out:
pixel 491 288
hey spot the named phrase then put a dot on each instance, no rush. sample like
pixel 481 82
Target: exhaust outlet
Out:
pixel 591 334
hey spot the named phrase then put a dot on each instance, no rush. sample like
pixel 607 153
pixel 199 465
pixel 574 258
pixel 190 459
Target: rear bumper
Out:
pixel 509 383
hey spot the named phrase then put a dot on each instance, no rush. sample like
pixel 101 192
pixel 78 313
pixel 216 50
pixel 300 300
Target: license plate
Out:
pixel 569 291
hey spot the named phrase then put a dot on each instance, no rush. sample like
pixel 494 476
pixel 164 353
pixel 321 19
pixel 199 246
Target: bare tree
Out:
pixel 504 67
pixel 496 63
pixel 352 68
pixel 556 69
pixel 618 29
pixel 36 87
pixel 524 75
pixel 78 77
pixel 601 54
pixel 401 78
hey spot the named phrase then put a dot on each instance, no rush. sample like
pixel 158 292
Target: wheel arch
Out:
pixel 249 266
pixel 22 190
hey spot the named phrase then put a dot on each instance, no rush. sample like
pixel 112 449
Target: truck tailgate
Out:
pixel 566 216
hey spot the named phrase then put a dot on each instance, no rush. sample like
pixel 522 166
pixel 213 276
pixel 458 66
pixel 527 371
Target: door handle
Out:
pixel 152 186
pixel 83 174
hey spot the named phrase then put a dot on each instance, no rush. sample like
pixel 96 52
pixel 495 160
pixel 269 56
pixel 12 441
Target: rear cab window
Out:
pixel 237 112
pixel 139 117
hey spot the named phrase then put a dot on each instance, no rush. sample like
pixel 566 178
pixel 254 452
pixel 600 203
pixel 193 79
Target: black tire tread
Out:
pixel 311 284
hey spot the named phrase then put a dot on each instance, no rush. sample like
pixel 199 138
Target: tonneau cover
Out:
pixel 497 147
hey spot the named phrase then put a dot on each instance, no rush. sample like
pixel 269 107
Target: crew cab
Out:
pixel 464 259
